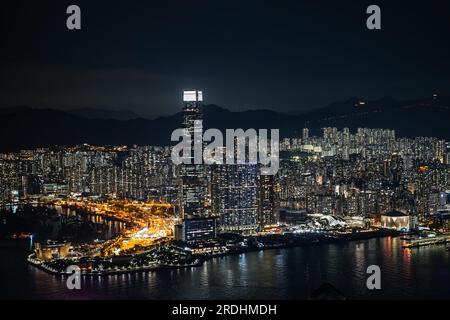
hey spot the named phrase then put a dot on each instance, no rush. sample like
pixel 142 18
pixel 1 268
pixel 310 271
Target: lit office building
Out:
pixel 268 201
pixel 193 181
pixel 196 229
pixel 234 197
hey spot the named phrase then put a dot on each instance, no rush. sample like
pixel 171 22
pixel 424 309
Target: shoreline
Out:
pixel 200 260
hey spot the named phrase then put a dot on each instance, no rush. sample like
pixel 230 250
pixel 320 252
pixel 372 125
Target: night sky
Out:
pixel 289 56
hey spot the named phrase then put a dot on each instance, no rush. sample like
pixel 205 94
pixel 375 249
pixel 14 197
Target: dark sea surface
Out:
pixel 294 273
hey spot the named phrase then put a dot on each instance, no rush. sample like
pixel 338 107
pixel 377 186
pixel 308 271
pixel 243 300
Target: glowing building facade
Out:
pixel 234 191
pixel 193 179
pixel 268 201
pixel 396 220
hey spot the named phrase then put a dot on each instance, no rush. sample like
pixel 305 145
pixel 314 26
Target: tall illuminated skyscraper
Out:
pixel 193 180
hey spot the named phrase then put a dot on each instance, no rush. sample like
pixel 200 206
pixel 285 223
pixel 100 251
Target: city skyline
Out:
pixel 197 152
pixel 131 209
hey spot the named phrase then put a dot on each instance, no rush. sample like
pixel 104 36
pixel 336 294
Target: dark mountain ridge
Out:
pixel 28 128
pixel 99 113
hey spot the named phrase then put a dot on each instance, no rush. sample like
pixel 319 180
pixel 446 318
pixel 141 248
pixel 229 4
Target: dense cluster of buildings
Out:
pixel 138 172
pixel 370 173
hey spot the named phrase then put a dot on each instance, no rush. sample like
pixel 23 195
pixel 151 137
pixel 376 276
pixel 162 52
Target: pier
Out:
pixel 443 239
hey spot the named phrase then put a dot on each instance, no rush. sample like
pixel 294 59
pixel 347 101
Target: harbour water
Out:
pixel 293 273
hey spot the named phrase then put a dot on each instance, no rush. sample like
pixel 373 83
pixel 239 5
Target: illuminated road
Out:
pixel 148 223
